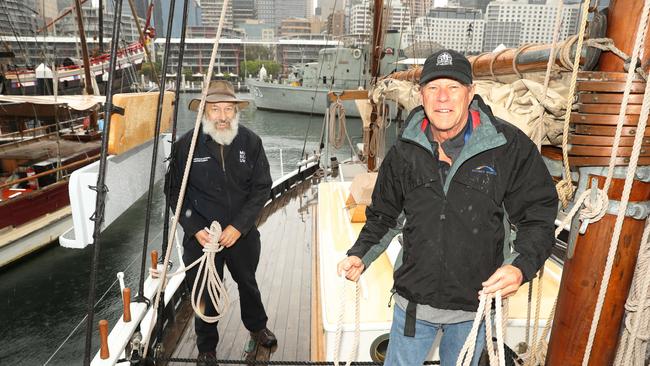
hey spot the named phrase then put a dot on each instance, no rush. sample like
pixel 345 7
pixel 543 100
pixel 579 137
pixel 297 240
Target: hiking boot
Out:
pixel 206 359
pixel 264 338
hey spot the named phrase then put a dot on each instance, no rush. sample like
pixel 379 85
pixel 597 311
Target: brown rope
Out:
pixel 518 51
pixel 494 59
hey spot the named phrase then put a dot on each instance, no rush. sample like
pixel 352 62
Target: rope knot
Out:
pixel 595 207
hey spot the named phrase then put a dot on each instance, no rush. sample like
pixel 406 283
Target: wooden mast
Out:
pixel 88 87
pixel 582 273
pixel 374 71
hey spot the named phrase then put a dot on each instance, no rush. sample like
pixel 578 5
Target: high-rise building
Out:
pixel 68 26
pixel 336 23
pixel 537 21
pixel 328 7
pixel 397 17
pixel 243 10
pixel 161 16
pixel 274 11
pixel 265 11
pixel 418 8
pixel 211 13
pixel 456 28
pixel 292 27
pixel 290 9
pixel 141 8
pixel 475 4
pixel 17 17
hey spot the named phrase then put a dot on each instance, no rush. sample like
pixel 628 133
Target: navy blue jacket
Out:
pixel 227 183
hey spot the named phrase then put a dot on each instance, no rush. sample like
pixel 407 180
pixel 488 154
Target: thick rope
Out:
pixel 186 173
pixel 627 188
pixel 338 336
pixel 484 311
pixel 565 187
pixel 633 343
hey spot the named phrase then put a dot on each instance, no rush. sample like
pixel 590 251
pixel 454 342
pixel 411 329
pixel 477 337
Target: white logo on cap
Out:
pixel 444 59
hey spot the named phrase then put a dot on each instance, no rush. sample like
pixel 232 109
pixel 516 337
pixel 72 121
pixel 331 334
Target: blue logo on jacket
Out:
pixel 484 169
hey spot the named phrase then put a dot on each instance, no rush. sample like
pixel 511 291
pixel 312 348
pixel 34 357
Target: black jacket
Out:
pixel 227 183
pixel 454 233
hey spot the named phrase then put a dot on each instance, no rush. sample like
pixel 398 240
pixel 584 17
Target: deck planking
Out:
pixel 284 278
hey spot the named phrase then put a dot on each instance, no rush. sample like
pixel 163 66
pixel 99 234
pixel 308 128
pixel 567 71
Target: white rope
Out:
pixel 497 358
pixel 337 129
pixel 627 188
pixel 186 173
pixel 338 337
pixel 565 187
pixel 209 277
pixel 634 342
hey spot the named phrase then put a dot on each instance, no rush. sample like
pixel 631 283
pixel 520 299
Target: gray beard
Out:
pixel 222 137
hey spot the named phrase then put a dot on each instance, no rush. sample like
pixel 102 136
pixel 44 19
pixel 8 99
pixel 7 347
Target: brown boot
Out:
pixel 264 338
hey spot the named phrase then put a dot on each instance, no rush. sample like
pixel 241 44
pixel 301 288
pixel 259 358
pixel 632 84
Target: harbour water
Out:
pixel 43 298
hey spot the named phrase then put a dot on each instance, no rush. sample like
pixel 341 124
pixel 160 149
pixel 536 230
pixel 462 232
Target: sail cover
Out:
pixel 46 105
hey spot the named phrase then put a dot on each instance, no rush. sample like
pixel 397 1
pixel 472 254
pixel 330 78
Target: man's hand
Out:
pixel 507 279
pixel 203 237
pixel 229 236
pixel 352 266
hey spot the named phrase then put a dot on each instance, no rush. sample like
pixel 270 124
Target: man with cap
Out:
pixel 229 182
pixel 459 174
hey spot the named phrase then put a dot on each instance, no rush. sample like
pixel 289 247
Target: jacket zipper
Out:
pixel 223 160
pixel 223 167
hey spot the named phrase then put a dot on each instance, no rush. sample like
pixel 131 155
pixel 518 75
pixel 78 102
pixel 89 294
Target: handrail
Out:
pixel 48 172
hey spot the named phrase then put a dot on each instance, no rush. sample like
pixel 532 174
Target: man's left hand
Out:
pixel 229 236
pixel 507 279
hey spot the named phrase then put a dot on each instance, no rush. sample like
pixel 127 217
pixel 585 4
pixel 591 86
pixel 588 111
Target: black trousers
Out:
pixel 242 259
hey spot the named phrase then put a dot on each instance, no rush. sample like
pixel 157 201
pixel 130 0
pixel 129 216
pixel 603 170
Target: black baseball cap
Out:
pixel 446 64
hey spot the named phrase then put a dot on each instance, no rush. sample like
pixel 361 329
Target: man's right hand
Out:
pixel 203 237
pixel 352 266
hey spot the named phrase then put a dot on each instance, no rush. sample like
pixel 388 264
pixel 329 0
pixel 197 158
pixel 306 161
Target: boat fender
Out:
pixel 356 53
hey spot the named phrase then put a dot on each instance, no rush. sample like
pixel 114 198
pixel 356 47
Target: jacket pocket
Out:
pixel 480 181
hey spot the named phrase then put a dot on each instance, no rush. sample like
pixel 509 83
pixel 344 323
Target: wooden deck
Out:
pixel 284 277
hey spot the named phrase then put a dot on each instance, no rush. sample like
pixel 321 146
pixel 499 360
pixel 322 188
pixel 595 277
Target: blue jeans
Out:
pixel 410 351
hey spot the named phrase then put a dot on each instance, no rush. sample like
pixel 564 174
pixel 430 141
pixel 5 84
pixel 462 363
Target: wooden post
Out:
pixel 154 259
pixel 126 301
pixel 581 278
pixel 622 22
pixel 103 339
pixel 582 274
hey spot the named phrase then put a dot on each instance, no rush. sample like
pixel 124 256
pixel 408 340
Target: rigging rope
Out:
pixel 634 342
pixel 565 187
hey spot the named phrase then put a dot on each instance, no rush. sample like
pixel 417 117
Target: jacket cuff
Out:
pixel 526 268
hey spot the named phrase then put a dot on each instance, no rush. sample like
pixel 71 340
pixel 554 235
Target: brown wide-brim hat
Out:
pixel 219 91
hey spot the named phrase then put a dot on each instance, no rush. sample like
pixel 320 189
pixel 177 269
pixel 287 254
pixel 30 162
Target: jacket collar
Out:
pixel 484 138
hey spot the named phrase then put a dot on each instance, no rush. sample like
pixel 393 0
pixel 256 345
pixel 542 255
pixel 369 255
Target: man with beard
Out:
pixel 229 182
